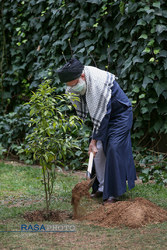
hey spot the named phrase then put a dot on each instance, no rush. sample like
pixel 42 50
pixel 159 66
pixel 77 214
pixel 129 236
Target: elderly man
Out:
pixel 111 113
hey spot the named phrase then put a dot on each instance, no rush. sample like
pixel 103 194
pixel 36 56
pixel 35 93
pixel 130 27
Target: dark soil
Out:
pixel 80 190
pixel 42 215
pixel 134 213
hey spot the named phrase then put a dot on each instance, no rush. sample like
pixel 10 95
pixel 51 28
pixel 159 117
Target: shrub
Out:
pixel 50 140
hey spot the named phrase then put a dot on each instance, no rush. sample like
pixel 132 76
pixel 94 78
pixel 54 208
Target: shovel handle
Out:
pixel 90 164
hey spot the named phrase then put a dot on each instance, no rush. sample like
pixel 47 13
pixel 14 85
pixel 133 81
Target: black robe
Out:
pixel 115 135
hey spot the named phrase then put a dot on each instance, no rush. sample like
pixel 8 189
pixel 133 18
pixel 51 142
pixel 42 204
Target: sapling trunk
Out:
pixel 46 192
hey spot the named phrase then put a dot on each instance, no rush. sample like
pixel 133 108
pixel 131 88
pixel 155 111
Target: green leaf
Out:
pixel 156 51
pixel 91 48
pixel 142 96
pixel 136 89
pixel 138 59
pixel 148 10
pixel 146 50
pixel 146 171
pixel 152 107
pixel 152 59
pixel 165 95
pixel 144 36
pixel 144 110
pixel 165 64
pixel 122 7
pixel 94 1
pixel 141 22
pixel 78 153
pixel 107 30
pixel 32 112
pixel 161 28
pixel 131 7
pixel 137 124
pixel 46 157
pixel 103 57
pixel 127 65
pixel 162 53
pixel 134 102
pixel 153 100
pixel 157 126
pixel 51 1
pixel 45 39
pixel 146 81
pixel 160 87
pixel 151 43
pixel 95 25
pixel 81 50
pixel 88 42
pixel 162 37
pixel 157 5
pixel 164 13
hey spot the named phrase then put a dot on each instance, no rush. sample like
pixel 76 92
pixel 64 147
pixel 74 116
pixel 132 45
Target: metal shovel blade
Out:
pixel 91 182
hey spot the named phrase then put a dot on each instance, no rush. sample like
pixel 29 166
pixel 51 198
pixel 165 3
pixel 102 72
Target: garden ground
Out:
pixel 22 192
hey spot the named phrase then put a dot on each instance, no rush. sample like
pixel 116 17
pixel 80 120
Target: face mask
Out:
pixel 80 87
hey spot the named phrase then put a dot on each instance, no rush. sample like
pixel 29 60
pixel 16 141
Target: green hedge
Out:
pixel 127 38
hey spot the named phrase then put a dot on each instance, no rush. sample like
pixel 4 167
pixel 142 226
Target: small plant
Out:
pixel 50 139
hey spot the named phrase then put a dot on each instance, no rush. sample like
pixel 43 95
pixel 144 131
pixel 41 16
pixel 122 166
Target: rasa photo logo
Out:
pixel 47 228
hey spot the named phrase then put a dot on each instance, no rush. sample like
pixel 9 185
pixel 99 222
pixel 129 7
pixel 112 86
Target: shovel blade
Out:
pixel 91 182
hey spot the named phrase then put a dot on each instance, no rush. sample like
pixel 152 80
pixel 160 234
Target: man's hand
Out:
pixel 92 147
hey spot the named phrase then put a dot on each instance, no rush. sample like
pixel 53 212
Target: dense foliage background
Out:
pixel 127 38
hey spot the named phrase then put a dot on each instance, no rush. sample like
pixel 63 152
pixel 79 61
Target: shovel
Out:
pixel 89 170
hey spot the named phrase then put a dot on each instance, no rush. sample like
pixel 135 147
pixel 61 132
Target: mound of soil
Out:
pixel 42 215
pixel 134 213
pixel 80 190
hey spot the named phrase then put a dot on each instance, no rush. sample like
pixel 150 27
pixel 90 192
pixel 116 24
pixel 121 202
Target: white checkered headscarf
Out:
pixel 98 94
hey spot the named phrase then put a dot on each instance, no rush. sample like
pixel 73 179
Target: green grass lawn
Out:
pixel 21 191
